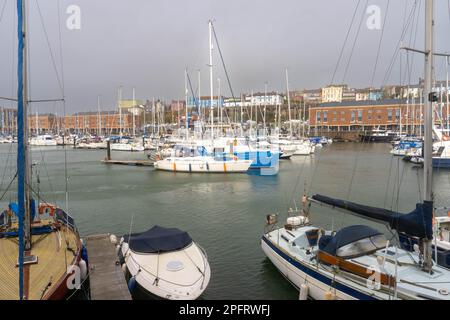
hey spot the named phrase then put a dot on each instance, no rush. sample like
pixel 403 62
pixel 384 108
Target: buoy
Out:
pixel 83 269
pixel 132 284
pixel 113 239
pixel 303 292
pixel 329 295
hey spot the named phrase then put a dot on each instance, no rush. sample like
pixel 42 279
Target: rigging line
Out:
pixel 379 44
pixel 9 185
pixel 6 163
pixel 388 182
pixel 49 47
pixel 8 99
pixel 345 42
pixel 3 10
pixel 397 47
pixel 223 64
pixel 66 177
pixel 354 43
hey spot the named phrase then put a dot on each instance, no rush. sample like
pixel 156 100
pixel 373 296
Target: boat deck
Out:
pixel 107 281
pixel 54 253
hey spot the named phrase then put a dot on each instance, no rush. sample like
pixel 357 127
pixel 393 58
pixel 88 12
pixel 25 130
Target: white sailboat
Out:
pixel 357 262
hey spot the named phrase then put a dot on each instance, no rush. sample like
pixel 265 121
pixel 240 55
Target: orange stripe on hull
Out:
pixel 225 167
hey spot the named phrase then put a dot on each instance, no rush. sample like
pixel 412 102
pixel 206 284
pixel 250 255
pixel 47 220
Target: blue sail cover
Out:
pixel 418 223
pixel 346 236
pixel 159 239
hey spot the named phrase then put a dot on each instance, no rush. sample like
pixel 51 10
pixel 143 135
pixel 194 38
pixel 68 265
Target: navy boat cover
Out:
pixel 417 223
pixel 346 236
pixel 159 239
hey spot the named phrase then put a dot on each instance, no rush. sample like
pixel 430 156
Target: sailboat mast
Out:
pixel 428 131
pixel 120 111
pixel 289 103
pixel 186 102
pixel 22 149
pixel 211 84
pixel 446 93
pixel 265 107
pixel 428 112
pixel 134 121
pixel 98 116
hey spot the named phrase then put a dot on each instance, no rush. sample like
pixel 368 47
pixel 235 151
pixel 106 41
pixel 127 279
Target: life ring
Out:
pixel 48 209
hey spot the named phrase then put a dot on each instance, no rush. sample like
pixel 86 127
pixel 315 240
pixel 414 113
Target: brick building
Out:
pixel 367 115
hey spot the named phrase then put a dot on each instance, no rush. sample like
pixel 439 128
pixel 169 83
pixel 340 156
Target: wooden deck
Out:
pixel 52 251
pixel 144 163
pixel 107 281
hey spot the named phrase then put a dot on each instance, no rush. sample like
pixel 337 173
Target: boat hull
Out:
pixel 298 273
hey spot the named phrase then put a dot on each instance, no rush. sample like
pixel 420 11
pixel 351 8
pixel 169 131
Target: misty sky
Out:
pixel 146 44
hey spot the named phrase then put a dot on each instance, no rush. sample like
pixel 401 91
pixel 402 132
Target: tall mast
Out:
pixel 211 85
pixel 134 104
pixel 199 101
pixel 186 102
pixel 446 93
pixel 428 132
pixel 265 106
pixel 99 125
pixel 22 148
pixel 220 106
pixel 119 96
pixel 289 103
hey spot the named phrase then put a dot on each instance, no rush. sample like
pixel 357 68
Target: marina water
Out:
pixel 225 214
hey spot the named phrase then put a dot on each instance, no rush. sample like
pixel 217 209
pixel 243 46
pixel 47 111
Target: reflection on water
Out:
pixel 224 213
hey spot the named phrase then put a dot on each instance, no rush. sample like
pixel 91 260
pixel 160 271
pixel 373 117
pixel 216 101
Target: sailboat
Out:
pixel 357 262
pixel 39 243
pixel 203 162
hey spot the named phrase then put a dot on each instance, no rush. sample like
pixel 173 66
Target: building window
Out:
pixel 318 117
pixel 353 116
pixel 334 116
pixel 389 114
pixel 369 114
pixel 325 116
pixel 360 115
pixel 397 113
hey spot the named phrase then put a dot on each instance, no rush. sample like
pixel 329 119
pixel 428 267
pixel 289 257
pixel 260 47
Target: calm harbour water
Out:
pixel 225 214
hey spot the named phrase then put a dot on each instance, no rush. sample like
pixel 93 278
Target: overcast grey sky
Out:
pixel 147 44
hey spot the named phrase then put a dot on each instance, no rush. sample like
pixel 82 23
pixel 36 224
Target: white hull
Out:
pixel 202 165
pixel 187 283
pixel 127 147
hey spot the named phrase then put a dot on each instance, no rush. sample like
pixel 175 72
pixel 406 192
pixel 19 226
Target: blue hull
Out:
pixel 441 163
pixel 261 159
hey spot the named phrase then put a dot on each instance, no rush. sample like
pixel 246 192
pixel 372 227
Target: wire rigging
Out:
pixel 345 42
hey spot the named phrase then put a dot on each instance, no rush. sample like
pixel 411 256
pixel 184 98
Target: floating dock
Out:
pixel 143 163
pixel 107 280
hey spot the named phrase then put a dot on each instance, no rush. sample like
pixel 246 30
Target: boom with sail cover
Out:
pixel 417 223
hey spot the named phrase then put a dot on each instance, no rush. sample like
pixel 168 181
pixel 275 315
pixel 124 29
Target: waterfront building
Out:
pixel 368 115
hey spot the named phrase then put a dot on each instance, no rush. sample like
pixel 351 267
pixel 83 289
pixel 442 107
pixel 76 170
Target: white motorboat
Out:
pixel 164 263
pixel 203 164
pixel 43 140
